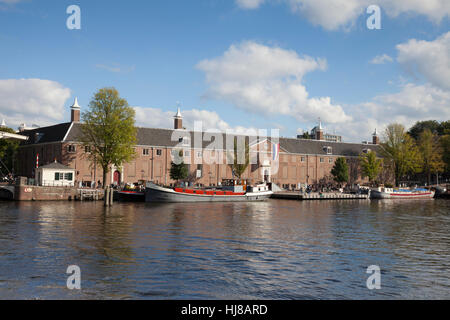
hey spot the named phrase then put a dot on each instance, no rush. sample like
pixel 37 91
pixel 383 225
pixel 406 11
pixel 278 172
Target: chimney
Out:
pixel 319 131
pixel 376 138
pixel 75 112
pixel 178 121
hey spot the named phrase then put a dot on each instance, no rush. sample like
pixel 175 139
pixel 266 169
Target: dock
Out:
pixel 90 194
pixel 290 195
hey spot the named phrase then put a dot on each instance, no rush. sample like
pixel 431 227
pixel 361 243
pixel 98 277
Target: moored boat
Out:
pixel 390 193
pixel 132 194
pixel 156 193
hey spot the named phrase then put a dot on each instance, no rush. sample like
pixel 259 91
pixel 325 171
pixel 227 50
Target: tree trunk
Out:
pixel 105 175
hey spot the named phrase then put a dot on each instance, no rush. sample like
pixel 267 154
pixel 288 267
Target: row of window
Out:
pixel 146 152
pixel 87 149
pixel 322 160
pixel 59 176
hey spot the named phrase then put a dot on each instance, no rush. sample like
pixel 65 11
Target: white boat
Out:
pixel 390 193
pixel 156 193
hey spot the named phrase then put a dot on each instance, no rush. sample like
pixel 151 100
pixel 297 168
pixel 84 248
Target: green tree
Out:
pixel 445 144
pixel 340 170
pixel 370 165
pixel 8 148
pixel 444 128
pixel 431 153
pixel 239 158
pixel 109 130
pixel 399 148
pixel 178 169
pixel 306 135
pixel 432 125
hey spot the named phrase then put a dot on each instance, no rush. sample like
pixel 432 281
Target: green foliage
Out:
pixel 178 171
pixel 109 130
pixel 445 144
pixel 340 170
pixel 239 158
pixel 434 126
pixel 8 148
pixel 420 126
pixel 370 165
pixel 400 149
pixel 431 153
pixel 307 136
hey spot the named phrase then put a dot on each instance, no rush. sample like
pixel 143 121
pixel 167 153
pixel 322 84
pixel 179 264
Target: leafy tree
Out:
pixel 109 130
pixel 370 165
pixel 431 153
pixel 444 128
pixel 445 144
pixel 8 148
pixel 340 170
pixel 239 158
pixel 306 135
pixel 178 169
pixel 399 148
pixel 432 125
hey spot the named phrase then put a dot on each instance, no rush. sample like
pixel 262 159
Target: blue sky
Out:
pixel 244 63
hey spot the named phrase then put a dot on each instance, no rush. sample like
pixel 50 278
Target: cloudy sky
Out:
pixel 230 63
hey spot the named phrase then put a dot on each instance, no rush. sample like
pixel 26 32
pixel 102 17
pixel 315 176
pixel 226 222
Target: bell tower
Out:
pixel 178 120
pixel 75 111
pixel 319 131
pixel 375 137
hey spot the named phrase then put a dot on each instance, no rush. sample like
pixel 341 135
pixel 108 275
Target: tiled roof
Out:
pixel 56 165
pixel 303 146
pixel 163 138
pixel 46 134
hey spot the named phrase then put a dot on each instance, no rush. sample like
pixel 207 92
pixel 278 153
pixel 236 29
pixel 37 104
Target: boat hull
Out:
pixel 127 196
pixel 155 193
pixel 374 194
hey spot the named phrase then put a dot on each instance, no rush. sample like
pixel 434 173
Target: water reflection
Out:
pixel 274 249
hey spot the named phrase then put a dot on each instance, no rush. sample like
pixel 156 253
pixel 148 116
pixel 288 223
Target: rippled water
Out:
pixel 269 250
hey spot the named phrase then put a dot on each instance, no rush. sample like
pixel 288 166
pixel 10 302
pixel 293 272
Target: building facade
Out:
pixel 287 162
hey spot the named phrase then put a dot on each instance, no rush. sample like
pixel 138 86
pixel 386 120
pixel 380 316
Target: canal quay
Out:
pixel 277 249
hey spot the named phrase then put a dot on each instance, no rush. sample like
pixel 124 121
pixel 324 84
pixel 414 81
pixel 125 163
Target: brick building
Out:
pixel 285 161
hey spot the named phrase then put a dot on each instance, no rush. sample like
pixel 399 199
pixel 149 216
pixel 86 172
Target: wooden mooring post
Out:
pixel 109 197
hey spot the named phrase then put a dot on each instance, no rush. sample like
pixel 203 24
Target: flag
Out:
pixel 275 151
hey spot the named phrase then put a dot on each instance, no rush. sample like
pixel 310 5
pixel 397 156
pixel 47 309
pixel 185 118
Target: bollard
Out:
pixel 111 199
pixel 106 197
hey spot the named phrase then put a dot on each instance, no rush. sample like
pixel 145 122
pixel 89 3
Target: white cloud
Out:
pixel 249 4
pixel 412 103
pixel 428 58
pixel 331 15
pixel 381 59
pixel 30 101
pixel 268 80
pixel 336 14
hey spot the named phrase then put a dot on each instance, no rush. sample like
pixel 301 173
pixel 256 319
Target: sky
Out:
pixel 232 64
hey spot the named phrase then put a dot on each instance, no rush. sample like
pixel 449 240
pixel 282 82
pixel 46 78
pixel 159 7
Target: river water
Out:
pixel 269 250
